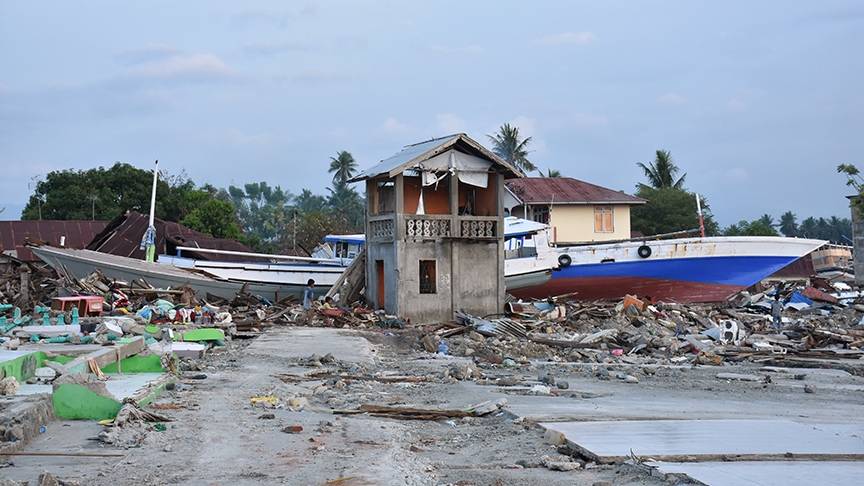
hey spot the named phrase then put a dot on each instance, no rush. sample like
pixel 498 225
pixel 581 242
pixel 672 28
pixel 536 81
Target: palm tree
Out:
pixel 842 229
pixel 808 228
pixel 551 173
pixel 823 229
pixel 788 226
pixel 767 220
pixel 507 145
pixel 307 202
pixel 343 167
pixel 345 202
pixel 661 173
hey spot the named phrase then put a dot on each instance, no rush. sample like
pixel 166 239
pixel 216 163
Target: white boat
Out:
pixel 225 280
pixel 529 260
pixel 682 270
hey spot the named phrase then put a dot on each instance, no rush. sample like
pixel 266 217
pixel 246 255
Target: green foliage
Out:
pixel 661 173
pixel 307 202
pixel 752 228
pixel 551 173
pixel 99 194
pixel 263 213
pixel 788 224
pixel 834 229
pixel 508 145
pixel 343 167
pixel 669 210
pixel 215 218
pixel 854 179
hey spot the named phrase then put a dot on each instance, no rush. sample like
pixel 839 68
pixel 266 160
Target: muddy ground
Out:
pixel 219 436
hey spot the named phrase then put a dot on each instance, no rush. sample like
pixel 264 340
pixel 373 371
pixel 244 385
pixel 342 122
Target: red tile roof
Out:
pixel 565 190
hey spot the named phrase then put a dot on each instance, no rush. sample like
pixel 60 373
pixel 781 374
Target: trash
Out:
pixel 442 348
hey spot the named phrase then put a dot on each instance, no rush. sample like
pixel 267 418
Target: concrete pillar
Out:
pixel 857 239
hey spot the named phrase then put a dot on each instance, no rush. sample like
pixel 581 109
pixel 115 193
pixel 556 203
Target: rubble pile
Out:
pixel 827 325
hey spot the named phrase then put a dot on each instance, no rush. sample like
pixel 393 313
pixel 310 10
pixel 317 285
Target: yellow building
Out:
pixel 576 210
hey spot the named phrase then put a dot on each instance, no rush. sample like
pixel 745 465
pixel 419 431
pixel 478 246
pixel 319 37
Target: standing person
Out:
pixel 777 311
pixel 308 295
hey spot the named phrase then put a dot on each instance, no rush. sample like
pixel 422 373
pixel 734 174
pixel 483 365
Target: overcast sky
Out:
pixel 758 102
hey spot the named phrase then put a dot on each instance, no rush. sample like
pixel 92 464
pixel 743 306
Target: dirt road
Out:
pixel 297 377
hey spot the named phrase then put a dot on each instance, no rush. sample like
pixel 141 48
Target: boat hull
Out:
pixel 682 270
pixel 81 263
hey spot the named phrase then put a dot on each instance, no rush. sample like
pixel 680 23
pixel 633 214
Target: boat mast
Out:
pixel 148 242
pixel 699 208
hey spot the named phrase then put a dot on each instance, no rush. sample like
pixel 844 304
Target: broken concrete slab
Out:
pixel 706 440
pixel 765 473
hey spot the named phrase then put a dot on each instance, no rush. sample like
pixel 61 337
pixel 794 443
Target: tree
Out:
pixel 263 213
pixel 752 228
pixel 841 229
pixel 670 210
pixel 69 194
pixel 215 218
pixel 307 202
pixel 788 225
pixel 551 173
pixel 767 221
pixel 508 145
pixel 808 228
pixel 343 167
pixel 346 204
pixel 854 179
pixel 661 173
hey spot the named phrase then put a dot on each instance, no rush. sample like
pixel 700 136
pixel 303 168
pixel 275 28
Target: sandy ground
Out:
pixel 219 436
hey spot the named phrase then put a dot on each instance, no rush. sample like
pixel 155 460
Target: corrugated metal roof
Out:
pixel 122 236
pixel 418 152
pixel 566 190
pixel 76 234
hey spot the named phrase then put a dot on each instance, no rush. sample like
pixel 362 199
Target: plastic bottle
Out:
pixel 442 348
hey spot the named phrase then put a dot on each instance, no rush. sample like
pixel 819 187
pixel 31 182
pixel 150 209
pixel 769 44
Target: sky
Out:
pixel 758 102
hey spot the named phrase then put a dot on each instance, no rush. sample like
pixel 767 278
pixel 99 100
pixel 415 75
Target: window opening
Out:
pixel 427 277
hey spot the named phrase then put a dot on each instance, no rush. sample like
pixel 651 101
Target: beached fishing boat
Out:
pixel 80 263
pixel 529 260
pixel 682 270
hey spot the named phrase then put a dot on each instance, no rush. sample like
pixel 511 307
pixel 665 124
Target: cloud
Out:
pixel 317 76
pixel 590 120
pixel 736 105
pixel 268 49
pixel 449 123
pixel 737 175
pixel 392 125
pixel 568 38
pixel 150 53
pixel 184 66
pixel 671 99
pixel 448 49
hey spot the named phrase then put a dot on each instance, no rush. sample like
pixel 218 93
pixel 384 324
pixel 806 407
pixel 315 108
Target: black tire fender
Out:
pixel 564 260
pixel 644 251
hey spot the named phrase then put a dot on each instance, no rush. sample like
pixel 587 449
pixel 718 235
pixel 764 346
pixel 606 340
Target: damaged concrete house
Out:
pixel 434 229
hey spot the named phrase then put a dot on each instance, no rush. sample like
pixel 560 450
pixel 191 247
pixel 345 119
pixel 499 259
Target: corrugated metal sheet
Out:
pixel 566 190
pixel 122 236
pixel 77 235
pixel 419 152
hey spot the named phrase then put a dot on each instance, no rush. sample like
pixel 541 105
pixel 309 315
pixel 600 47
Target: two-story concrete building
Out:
pixel 434 230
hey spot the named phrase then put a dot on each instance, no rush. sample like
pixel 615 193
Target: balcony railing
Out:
pixel 382 228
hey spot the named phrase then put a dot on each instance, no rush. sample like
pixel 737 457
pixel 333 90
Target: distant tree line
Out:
pixel 834 229
pixel 268 219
